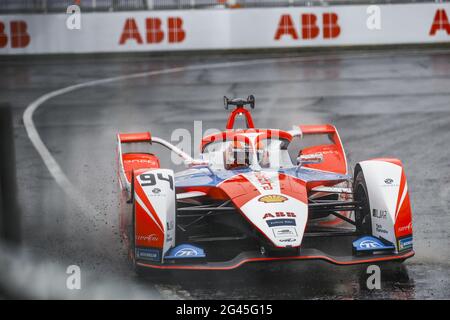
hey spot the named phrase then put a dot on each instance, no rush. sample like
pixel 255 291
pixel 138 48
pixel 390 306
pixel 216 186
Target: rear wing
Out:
pixel 140 137
pixel 134 137
pixel 318 129
pixel 334 154
pixel 129 162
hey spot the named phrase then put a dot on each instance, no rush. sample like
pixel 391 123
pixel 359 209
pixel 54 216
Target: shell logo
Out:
pixel 272 198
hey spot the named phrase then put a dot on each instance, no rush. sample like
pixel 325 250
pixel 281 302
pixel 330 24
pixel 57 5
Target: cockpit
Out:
pixel 257 150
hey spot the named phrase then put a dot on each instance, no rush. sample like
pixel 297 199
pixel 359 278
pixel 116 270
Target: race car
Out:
pixel 259 195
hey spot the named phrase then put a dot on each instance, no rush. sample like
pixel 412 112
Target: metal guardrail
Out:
pixel 53 6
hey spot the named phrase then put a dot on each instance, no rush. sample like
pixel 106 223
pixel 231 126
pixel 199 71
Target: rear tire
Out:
pixel 363 219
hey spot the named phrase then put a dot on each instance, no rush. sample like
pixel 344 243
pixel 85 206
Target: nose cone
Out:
pixel 281 218
pixel 276 204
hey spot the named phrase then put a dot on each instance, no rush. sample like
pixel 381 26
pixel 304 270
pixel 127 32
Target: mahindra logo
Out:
pixel 156 190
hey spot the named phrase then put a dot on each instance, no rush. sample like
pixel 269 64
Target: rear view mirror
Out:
pixel 313 158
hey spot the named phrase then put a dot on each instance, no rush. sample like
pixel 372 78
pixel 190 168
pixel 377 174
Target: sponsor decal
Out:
pixel 272 198
pixel 369 243
pixel 138 161
pixel 405 243
pixel 389 182
pixel 172 31
pixel 289 240
pixel 151 237
pixel 310 28
pixel 279 214
pixel 380 229
pixel 148 254
pixel 440 23
pixel 283 232
pixel 408 227
pixel 18 36
pixel 265 182
pixel 156 190
pixel 281 222
pixel 185 251
pixel 380 214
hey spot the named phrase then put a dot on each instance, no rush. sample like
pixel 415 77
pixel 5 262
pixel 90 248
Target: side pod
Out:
pixel 154 213
pixel 390 206
pixel 334 158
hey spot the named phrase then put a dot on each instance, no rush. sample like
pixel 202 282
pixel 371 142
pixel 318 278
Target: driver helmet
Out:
pixel 262 153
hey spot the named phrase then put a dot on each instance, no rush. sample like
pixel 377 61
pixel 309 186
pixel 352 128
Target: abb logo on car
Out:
pixel 279 215
pixel 264 181
pixel 18 35
pixel 309 27
pixel 154 31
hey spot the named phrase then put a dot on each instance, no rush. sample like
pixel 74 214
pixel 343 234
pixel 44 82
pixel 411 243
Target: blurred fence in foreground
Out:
pixel 9 213
pixel 53 6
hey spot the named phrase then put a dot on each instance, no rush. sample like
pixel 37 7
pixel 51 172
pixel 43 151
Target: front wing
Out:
pixel 306 254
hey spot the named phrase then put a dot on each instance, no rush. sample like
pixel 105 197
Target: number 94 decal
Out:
pixel 150 179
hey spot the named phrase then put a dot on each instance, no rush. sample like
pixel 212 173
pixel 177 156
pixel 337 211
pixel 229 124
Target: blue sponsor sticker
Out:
pixel 281 222
pixel 185 251
pixel 405 243
pixel 369 243
pixel 148 254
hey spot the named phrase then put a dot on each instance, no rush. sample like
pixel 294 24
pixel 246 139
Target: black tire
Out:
pixel 363 219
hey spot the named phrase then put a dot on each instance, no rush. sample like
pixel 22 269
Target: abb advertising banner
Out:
pixel 225 29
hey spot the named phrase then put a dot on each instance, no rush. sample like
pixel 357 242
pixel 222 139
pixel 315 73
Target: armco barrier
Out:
pixel 227 29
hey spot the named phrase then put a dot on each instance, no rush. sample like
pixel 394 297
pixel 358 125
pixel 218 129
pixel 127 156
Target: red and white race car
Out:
pixel 261 195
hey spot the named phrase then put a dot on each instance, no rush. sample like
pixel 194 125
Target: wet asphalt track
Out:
pixel 384 103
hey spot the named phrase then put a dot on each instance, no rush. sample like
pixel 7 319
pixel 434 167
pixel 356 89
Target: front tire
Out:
pixel 362 213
